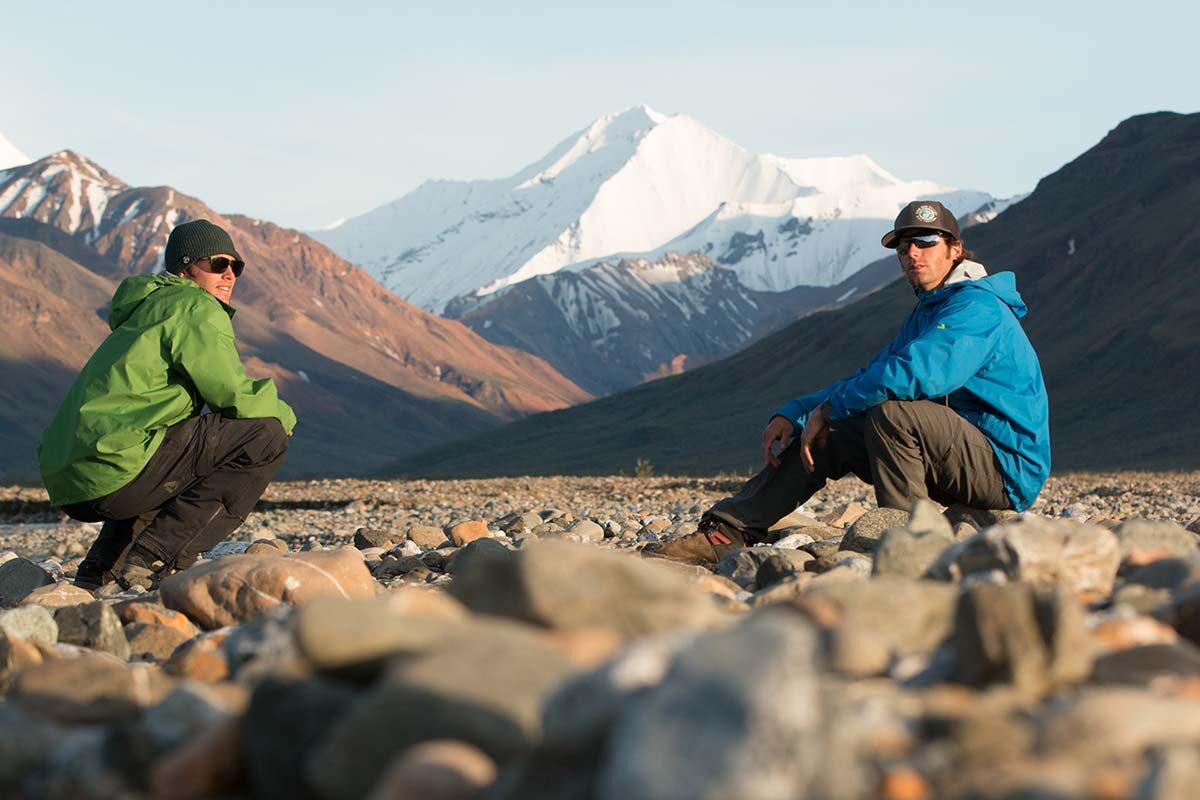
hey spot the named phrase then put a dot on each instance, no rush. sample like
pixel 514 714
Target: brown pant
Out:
pixel 907 449
pixel 197 488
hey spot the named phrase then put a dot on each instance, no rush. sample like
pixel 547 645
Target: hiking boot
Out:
pixel 706 547
pixel 91 576
pixel 138 567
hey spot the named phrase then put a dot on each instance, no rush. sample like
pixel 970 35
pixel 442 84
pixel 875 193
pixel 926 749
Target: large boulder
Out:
pixel 284 724
pixel 234 588
pixel 93 625
pixel 563 585
pixel 89 688
pixel 1143 540
pixel 1014 633
pixel 909 550
pixel 333 632
pixel 18 578
pixel 866 531
pixel 906 617
pixel 32 623
pixel 485 686
pixel 57 595
pixel 1040 551
pixel 737 715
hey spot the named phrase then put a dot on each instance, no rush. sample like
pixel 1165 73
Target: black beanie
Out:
pixel 193 241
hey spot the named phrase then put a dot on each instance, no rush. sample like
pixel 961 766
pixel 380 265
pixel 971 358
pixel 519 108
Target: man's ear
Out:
pixel 956 250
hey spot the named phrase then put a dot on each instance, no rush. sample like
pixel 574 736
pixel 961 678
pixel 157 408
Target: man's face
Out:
pixel 926 265
pixel 219 285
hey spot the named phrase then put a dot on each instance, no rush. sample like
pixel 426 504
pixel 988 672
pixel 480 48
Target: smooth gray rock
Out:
pixel 188 710
pixel 909 617
pixel 473 555
pixel 1097 724
pixel 1166 573
pixel 1012 633
pixel 737 716
pixel 1148 537
pixel 577 718
pixel 19 577
pixel 24 741
pixel 485 687
pixel 866 531
pixel 1039 551
pixel 32 623
pixel 908 551
pixel 565 586
pixel 741 565
pixel 1174 773
pixel 366 538
pixel 587 529
pixel 306 710
pixel 780 566
pixel 1137 666
pixel 93 625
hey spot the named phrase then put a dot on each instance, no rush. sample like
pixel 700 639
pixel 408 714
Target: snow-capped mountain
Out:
pixel 10 156
pixel 637 183
pixel 613 325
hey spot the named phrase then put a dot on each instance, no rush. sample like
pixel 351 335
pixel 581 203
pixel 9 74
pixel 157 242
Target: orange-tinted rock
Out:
pixel 586 647
pixel 146 613
pixel 200 659
pixel 436 770
pixel 1120 633
pixel 207 766
pixel 235 588
pixel 155 642
pixel 468 531
pixel 15 655
pixel 904 783
pixel 89 688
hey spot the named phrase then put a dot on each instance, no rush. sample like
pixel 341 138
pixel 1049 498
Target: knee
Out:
pixel 270 436
pixel 886 413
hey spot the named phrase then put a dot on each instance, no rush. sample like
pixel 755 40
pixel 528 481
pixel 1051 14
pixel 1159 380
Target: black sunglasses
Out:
pixel 923 241
pixel 218 265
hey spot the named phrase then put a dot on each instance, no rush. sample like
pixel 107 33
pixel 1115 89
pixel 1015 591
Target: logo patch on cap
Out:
pixel 926 213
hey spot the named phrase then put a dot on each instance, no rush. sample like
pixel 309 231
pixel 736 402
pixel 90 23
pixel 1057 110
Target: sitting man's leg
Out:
pixel 197 489
pixel 772 494
pixel 923 449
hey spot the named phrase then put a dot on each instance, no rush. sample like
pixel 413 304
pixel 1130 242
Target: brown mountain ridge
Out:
pixel 372 377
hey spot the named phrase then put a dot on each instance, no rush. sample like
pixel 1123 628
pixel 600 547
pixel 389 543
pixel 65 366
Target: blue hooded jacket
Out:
pixel 962 343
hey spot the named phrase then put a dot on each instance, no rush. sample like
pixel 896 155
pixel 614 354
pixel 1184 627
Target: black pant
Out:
pixel 906 449
pixel 197 488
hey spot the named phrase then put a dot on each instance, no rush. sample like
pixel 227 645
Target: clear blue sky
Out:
pixel 302 113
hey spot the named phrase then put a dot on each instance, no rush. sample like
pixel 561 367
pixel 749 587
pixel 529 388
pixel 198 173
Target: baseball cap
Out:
pixel 927 215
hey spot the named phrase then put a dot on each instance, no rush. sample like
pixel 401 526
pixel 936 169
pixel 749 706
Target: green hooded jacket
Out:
pixel 171 351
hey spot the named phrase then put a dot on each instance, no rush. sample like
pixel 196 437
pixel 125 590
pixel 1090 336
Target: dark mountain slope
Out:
pixel 1107 255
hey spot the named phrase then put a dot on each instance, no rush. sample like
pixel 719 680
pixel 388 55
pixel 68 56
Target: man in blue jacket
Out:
pixel 954 409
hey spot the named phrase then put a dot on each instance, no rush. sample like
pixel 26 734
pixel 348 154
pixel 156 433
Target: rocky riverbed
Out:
pixel 506 638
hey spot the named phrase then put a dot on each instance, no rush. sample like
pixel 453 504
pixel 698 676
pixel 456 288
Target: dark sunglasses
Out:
pixel 923 242
pixel 218 265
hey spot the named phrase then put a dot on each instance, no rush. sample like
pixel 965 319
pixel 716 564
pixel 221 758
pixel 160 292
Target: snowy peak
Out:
pixel 610 140
pixel 10 156
pixel 636 183
pixel 63 189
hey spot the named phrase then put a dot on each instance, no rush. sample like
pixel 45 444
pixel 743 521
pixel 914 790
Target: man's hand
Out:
pixel 779 430
pixel 814 433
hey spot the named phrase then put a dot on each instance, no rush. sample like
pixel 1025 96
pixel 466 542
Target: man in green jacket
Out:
pixel 130 446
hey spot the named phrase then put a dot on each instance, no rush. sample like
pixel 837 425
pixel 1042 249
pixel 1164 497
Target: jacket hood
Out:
pixel 970 274
pixel 133 292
